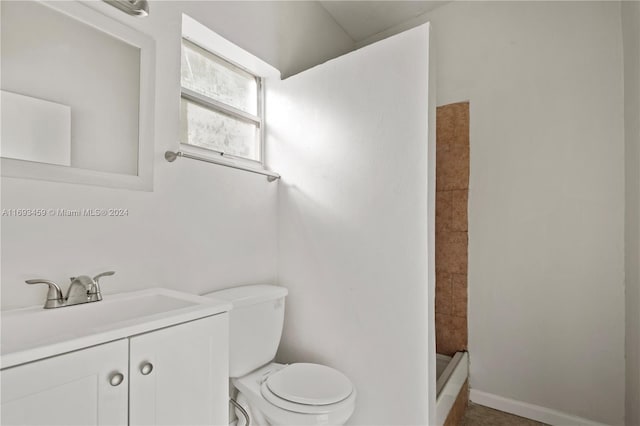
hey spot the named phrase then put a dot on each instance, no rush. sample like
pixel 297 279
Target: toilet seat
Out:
pixel 278 411
pixel 310 384
pixel 307 388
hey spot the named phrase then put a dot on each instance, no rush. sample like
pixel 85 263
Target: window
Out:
pixel 221 106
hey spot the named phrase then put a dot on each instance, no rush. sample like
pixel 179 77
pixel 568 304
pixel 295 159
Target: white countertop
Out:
pixel 34 333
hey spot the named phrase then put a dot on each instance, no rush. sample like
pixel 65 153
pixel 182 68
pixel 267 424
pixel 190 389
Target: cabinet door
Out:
pixel 69 389
pixel 180 374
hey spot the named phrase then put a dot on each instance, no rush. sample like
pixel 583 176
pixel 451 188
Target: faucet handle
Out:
pixel 104 274
pixel 95 287
pixel 54 295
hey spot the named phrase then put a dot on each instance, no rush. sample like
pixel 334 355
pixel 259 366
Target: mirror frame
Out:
pixel 143 181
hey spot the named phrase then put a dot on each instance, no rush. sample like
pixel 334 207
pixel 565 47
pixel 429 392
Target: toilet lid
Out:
pixel 310 384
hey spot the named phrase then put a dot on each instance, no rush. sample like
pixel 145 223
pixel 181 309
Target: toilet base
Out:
pixel 255 416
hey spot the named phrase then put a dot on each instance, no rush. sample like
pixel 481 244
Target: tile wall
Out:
pixel 452 189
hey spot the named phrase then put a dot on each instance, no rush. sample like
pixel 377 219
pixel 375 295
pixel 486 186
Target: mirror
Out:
pixel 77 96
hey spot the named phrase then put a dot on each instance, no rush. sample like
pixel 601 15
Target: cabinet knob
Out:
pixel 146 368
pixel 116 378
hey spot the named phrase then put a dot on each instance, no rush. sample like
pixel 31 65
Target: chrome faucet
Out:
pixel 83 289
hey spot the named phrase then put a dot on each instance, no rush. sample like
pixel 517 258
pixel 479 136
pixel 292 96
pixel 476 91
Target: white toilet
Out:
pixel 278 394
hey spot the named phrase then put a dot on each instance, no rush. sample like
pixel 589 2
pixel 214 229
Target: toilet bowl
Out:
pixel 272 393
pixel 278 401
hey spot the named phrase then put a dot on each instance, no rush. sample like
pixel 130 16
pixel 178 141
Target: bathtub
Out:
pixel 451 373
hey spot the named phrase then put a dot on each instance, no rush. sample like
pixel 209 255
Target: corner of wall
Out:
pixel 630 22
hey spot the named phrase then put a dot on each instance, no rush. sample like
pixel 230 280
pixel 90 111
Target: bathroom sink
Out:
pixel 34 333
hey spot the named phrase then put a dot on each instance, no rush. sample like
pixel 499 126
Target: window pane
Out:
pixel 211 129
pixel 211 76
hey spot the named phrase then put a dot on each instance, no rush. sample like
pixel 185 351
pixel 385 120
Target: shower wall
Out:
pixel 353 224
pixel 452 189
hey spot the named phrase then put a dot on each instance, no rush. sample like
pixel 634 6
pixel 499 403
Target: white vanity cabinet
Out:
pixel 180 375
pixel 174 375
pixel 70 389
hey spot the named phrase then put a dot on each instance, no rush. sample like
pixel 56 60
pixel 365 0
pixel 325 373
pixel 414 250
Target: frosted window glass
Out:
pixel 210 129
pixel 211 76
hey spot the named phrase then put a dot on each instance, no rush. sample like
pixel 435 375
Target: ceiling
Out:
pixel 363 19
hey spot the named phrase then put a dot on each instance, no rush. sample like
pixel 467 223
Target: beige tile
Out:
pixel 441 250
pixel 440 172
pixel 451 252
pixel 452 183
pixel 451 334
pixel 452 167
pixel 459 295
pixel 461 120
pixel 452 124
pixel 459 208
pixel 459 333
pixel 444 295
pixel 445 124
pixel 444 210
pixel 443 335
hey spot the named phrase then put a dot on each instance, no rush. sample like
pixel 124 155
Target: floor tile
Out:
pixel 478 415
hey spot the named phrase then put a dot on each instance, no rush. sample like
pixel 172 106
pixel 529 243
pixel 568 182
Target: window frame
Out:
pixel 225 109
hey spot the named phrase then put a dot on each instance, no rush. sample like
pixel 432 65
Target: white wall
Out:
pixel 546 200
pixel 290 35
pixel 204 227
pixel 631 43
pixel 350 139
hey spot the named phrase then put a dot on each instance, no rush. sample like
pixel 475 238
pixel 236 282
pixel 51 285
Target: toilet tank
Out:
pixel 255 325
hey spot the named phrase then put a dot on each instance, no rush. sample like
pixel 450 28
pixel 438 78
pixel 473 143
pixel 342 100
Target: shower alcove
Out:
pixel 452 189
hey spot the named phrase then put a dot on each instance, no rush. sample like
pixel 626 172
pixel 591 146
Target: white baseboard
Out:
pixel 529 411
